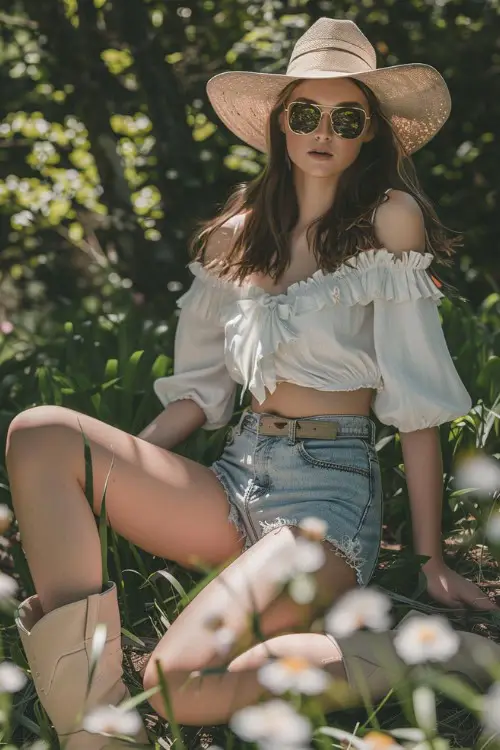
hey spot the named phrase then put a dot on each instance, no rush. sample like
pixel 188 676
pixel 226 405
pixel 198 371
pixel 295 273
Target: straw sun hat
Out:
pixel 414 97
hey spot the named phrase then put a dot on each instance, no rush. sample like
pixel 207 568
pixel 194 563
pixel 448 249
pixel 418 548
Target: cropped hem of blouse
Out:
pixel 374 322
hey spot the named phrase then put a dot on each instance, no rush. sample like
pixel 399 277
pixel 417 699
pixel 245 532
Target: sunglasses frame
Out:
pixel 322 107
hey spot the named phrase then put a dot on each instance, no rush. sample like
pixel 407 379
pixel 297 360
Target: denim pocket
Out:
pixel 344 454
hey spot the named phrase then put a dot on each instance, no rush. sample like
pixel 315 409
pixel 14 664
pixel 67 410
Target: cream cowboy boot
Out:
pixel 372 665
pixel 58 649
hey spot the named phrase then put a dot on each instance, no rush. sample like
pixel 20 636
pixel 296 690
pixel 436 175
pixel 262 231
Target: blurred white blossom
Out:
pixel 304 556
pixel 112 720
pixel 313 528
pixel 426 638
pixel 12 678
pixel 493 529
pixel 273 724
pixel 302 588
pixel 480 473
pixel 293 673
pixel 491 709
pixel 224 639
pixel 8 586
pixel 223 636
pixel 359 608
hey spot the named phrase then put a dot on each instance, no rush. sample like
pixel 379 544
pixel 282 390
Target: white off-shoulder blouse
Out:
pixel 372 323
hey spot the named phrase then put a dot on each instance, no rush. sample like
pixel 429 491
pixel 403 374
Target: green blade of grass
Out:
pixel 176 732
pixel 103 528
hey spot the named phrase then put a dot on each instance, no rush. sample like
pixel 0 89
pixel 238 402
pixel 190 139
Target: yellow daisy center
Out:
pixel 378 740
pixel 295 663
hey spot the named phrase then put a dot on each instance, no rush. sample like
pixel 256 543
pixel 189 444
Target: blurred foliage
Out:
pixel 110 151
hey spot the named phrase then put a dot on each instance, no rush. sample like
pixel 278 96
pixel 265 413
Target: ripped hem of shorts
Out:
pixel 233 517
pixel 346 548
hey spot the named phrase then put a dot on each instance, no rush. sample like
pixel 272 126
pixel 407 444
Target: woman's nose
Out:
pixel 325 124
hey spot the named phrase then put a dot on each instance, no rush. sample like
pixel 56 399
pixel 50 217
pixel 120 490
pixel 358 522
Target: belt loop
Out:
pixel 292 431
pixel 240 421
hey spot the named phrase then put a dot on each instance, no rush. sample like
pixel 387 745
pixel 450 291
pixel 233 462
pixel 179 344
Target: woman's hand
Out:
pixel 452 589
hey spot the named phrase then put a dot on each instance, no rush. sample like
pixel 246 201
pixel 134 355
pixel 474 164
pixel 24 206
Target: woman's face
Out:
pixel 343 151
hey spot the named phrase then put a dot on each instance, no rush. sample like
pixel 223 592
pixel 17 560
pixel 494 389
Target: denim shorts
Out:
pixel 274 481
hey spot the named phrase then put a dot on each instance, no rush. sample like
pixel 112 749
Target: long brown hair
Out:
pixel 262 244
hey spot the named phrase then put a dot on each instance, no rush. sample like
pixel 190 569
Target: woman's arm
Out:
pixel 174 424
pixel 424 477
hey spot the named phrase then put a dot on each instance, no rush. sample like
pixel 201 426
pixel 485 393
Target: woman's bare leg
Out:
pixel 246 585
pixel 166 504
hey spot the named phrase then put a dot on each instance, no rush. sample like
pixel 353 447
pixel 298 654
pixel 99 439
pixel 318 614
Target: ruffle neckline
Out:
pixel 258 322
pixel 369 275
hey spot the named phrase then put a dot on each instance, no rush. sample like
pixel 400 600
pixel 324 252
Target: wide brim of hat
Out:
pixel 414 97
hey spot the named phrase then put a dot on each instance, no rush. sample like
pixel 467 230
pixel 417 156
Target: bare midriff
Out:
pixel 297 401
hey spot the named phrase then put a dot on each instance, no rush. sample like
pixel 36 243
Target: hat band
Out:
pixel 293 62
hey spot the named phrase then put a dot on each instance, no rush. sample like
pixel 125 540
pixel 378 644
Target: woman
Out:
pixel 314 295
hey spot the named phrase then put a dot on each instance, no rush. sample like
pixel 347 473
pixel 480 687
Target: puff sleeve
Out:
pixel 200 371
pixel 421 387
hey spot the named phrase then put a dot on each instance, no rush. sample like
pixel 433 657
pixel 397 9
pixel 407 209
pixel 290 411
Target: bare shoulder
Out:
pixel 221 241
pixel 399 223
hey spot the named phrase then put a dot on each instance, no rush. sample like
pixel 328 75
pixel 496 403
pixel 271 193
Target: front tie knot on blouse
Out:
pixel 372 323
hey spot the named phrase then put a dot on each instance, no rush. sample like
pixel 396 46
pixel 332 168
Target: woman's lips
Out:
pixel 323 157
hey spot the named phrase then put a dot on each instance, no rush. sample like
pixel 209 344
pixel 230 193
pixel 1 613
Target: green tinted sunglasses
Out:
pixel 347 122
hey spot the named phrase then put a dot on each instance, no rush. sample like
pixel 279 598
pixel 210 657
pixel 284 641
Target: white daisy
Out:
pixel 293 673
pixel 110 720
pixel 426 638
pixel 359 608
pixel 12 678
pixel 272 722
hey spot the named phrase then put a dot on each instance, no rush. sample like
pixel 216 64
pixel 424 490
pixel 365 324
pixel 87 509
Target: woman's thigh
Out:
pixel 164 503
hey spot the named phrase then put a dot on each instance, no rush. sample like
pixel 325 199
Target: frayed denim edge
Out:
pixel 233 516
pixel 347 549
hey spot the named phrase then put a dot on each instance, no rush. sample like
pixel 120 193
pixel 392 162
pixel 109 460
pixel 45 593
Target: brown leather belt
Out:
pixel 269 425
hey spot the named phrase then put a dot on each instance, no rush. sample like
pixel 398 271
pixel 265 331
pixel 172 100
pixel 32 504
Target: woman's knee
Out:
pixel 35 432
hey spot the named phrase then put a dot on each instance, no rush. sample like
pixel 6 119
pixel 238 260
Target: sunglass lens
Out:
pixel 348 123
pixel 303 118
